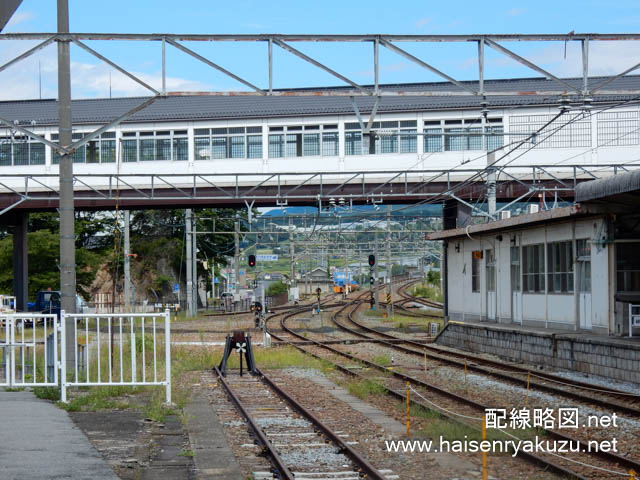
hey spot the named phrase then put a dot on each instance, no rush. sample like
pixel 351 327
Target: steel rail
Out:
pixel 283 469
pixel 530 457
pixel 501 365
pixel 354 456
pixel 427 350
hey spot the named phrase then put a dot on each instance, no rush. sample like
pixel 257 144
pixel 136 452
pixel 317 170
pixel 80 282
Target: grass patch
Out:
pixel 428 290
pixel 363 388
pixel 383 359
pixel 187 453
pixel 279 357
pixel 12 389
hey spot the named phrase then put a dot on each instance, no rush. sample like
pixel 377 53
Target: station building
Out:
pixel 571 268
pixel 254 134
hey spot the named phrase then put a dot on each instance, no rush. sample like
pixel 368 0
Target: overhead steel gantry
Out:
pixel 103 191
pixel 64 38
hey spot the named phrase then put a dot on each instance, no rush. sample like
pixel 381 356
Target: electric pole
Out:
pixel 189 252
pixel 127 262
pixel 389 269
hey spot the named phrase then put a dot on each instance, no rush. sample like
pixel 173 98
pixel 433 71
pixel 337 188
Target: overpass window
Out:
pixel 296 141
pixel 494 130
pixel 459 135
pixel 433 136
pixel 533 268
pixel 330 139
pixel 129 150
pixel 101 149
pixel 408 137
pixel 180 146
pixel 232 142
pixel 560 267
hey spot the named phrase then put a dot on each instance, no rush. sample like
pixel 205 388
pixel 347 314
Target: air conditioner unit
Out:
pixel 533 208
pixel 505 214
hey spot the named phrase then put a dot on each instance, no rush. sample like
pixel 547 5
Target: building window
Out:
pixel 494 137
pixel 533 268
pixel 222 142
pixel 628 267
pixel 433 136
pixel 475 272
pixel 459 135
pixel 101 149
pixel 302 141
pixel 180 143
pixel 577 133
pixel 388 137
pixel 618 128
pixel 560 267
pixel 515 269
pixel 21 151
pixel 490 267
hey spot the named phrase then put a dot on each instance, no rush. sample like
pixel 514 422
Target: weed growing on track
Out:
pixel 363 388
pixel 383 359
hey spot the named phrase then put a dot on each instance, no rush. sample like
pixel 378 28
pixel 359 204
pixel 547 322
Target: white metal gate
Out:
pixel 110 349
pixel 30 350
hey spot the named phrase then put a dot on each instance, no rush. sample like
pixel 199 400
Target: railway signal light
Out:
pixel 372 260
pixel 258 307
pixel 252 260
pixel 372 280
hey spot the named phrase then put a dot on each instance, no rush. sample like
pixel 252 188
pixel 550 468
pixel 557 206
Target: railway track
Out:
pixel 617 400
pixel 582 465
pixel 294 438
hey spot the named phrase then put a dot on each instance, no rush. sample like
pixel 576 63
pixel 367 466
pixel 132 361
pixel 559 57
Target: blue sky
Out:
pixel 90 78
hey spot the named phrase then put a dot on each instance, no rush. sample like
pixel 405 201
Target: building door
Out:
pixel 490 267
pixel 516 290
pixel 583 265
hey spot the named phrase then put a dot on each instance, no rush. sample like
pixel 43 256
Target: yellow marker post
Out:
pixel 484 454
pixel 408 413
pixel 632 474
pixel 526 400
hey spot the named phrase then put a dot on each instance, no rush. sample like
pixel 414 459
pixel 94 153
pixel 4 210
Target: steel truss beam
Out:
pixel 95 191
pixel 388 41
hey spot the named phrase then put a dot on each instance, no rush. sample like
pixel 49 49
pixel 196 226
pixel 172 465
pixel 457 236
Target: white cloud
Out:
pixel 605 58
pixel 421 22
pixel 516 12
pixel 17 19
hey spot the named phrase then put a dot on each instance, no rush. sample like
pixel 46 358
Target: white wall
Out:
pixel 539 309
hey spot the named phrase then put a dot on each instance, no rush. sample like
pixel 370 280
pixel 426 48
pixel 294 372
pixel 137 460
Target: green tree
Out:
pixel 276 288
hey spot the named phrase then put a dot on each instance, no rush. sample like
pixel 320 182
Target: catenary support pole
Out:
pixel 66 204
pixel 389 269
pixel 21 262
pixel 376 294
pixel 127 263
pixel 187 225
pixel 236 258
pixel 194 266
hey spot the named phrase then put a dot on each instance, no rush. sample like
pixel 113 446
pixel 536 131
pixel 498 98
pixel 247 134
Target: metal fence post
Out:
pixel 63 357
pixel 167 354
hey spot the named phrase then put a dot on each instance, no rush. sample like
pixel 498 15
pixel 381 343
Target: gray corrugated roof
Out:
pixel 92 111
pixel 621 183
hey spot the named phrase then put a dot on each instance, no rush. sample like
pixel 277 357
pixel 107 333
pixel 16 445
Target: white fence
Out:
pixel 124 349
pixel 29 350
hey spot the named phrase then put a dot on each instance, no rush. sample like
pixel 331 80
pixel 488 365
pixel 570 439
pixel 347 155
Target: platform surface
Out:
pixel 38 440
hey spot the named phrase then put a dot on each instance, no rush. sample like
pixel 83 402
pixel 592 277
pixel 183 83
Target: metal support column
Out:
pixel 194 266
pixel 66 205
pixel 236 256
pixel 389 269
pixel 491 183
pixel 21 262
pixel 188 217
pixel 376 294
pixel 127 263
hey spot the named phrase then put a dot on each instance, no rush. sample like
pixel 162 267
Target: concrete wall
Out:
pixel 544 309
pixel 606 357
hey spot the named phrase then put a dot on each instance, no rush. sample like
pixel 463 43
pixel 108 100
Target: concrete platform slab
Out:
pixel 212 454
pixel 39 441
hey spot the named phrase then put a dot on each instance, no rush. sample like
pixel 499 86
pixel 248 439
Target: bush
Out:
pixel 276 289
